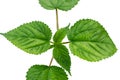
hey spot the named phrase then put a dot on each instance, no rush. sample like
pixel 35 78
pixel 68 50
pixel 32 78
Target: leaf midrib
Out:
pixel 28 37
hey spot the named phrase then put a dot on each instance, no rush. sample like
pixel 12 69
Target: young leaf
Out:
pixel 60 34
pixel 90 41
pixel 61 55
pixel 58 4
pixel 33 37
pixel 42 72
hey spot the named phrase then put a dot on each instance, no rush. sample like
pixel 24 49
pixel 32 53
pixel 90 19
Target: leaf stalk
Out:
pixel 57 20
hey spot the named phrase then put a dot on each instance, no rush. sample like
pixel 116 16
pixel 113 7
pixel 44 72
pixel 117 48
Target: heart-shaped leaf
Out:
pixel 90 41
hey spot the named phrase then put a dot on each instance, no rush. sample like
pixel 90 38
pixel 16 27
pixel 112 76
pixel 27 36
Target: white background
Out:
pixel 14 62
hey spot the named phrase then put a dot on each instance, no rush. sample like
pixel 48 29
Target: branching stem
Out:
pixel 57 27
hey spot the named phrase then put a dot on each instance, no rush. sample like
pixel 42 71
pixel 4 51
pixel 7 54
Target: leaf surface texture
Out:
pixel 60 34
pixel 33 37
pixel 43 72
pixel 90 41
pixel 64 5
pixel 61 55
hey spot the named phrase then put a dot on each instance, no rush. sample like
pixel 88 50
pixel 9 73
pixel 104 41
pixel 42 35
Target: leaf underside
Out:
pixel 58 4
pixel 33 37
pixel 61 55
pixel 43 72
pixel 90 41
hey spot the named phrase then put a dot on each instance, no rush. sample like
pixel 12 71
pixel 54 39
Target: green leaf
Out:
pixel 42 72
pixel 58 4
pixel 33 37
pixel 60 34
pixel 61 55
pixel 35 71
pixel 90 41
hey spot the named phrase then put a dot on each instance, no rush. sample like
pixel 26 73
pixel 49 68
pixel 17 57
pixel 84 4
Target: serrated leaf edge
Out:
pixel 57 32
pixel 102 28
pixel 52 8
pixel 69 71
pixel 96 60
pixel 25 24
pixel 70 8
pixel 47 67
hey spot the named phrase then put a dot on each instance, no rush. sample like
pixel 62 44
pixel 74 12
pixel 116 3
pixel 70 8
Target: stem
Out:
pixel 51 61
pixel 65 42
pixel 57 27
pixel 57 21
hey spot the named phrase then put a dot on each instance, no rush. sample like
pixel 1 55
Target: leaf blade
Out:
pixel 35 69
pixel 42 72
pixel 60 34
pixel 61 55
pixel 58 4
pixel 33 37
pixel 68 5
pixel 90 41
